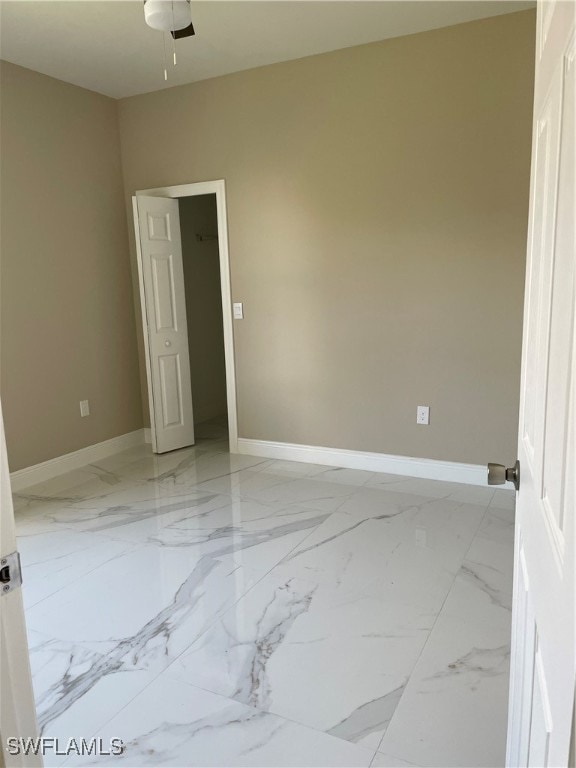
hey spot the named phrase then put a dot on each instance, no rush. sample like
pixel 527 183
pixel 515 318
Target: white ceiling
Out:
pixel 105 45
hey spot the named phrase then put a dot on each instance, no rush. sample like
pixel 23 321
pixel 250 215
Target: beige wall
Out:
pixel 67 317
pixel 203 306
pixel 377 203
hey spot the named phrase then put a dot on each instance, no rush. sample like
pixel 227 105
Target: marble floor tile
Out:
pixel 87 508
pixel 212 609
pixel 409 556
pixel 131 513
pixel 141 464
pixel 64 556
pixel 454 709
pixel 498 526
pixel 504 499
pixel 208 467
pixel 136 613
pixel 198 728
pixel 280 489
pixel 59 486
pixel 144 604
pixel 490 557
pixel 321 472
pixel 470 494
pixel 76 692
pixel 326 658
pixel 388 761
pixel 246 534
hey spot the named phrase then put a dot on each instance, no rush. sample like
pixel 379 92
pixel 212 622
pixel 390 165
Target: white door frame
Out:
pixel 193 190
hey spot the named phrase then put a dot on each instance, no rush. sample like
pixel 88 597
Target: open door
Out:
pixel 543 620
pixel 17 709
pixel 157 224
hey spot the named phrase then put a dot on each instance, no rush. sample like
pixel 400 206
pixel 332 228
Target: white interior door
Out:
pixel 164 301
pixel 543 634
pixel 17 709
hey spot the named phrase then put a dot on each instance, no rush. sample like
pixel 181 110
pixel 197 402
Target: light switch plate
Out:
pixel 238 310
pixel 84 408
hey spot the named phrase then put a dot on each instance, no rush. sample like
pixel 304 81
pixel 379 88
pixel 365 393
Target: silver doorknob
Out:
pixel 167 343
pixel 498 474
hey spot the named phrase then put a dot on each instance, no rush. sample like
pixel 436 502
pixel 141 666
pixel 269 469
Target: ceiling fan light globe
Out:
pixel 167 15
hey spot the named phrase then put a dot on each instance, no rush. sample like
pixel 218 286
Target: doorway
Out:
pixel 184 280
pixel 202 286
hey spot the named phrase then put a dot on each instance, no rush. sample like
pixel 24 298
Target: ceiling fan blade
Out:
pixel 186 32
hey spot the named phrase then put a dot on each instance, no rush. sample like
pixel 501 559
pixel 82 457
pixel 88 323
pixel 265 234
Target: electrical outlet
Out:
pixel 423 414
pixel 84 408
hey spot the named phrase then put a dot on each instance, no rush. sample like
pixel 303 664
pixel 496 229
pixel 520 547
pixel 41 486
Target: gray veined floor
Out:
pixel 212 609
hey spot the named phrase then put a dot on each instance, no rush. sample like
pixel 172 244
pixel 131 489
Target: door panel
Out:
pixel 163 288
pixel 169 363
pixel 540 723
pixel 159 226
pixel 543 637
pixel 171 393
pixel 561 315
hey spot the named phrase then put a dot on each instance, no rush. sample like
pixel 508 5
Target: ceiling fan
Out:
pixel 169 16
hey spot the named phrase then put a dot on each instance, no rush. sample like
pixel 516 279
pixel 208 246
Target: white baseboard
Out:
pixel 431 469
pixel 147 435
pixel 38 473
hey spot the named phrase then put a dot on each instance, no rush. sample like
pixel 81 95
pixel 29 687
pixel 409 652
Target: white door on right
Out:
pixel 543 621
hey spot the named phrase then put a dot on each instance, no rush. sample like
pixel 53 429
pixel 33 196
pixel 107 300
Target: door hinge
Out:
pixel 10 573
